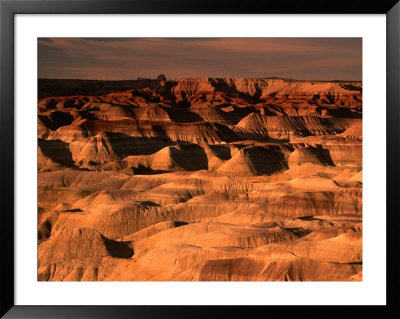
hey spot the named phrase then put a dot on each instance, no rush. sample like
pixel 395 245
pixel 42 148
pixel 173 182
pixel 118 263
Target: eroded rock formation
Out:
pixel 199 179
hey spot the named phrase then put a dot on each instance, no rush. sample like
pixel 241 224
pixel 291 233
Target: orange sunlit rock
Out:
pixel 208 179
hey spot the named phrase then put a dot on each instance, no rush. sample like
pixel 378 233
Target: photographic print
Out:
pixel 199 159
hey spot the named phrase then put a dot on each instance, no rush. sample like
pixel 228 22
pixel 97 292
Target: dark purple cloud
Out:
pixel 129 58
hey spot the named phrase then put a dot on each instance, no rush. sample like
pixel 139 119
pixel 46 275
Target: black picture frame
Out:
pixel 9 8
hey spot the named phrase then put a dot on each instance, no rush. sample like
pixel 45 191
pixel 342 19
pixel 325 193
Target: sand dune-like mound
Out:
pixel 217 235
pixel 303 204
pixel 309 155
pixel 185 157
pixel 248 269
pixel 279 127
pixel 254 161
pixel 189 157
pixel 217 155
pixel 211 114
pixel 151 114
pixel 79 243
pixel 81 179
pixel 107 112
pixel 188 87
pixel 345 248
pixel 313 183
pixel 354 132
pixel 105 147
pixel 199 133
pixel 254 123
pixel 96 149
pixel 77 130
pixel 152 230
pixel 111 218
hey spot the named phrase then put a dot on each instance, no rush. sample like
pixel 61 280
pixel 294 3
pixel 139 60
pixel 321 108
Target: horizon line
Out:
pixel 199 77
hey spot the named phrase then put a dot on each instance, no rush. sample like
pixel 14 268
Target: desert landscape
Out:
pixel 199 179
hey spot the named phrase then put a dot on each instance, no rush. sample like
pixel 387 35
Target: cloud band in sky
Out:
pixel 129 58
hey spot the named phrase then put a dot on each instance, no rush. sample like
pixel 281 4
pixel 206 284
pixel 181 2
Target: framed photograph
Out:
pixel 167 159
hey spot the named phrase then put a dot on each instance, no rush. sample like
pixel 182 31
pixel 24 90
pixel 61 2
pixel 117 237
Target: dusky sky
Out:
pixel 130 58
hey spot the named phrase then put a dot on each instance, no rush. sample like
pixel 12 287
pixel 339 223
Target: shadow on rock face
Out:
pixel 119 249
pixel 58 151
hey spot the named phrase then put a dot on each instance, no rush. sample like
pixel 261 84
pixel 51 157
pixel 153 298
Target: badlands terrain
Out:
pixel 209 179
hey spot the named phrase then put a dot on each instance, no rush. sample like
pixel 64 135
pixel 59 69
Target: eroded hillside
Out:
pixel 201 179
